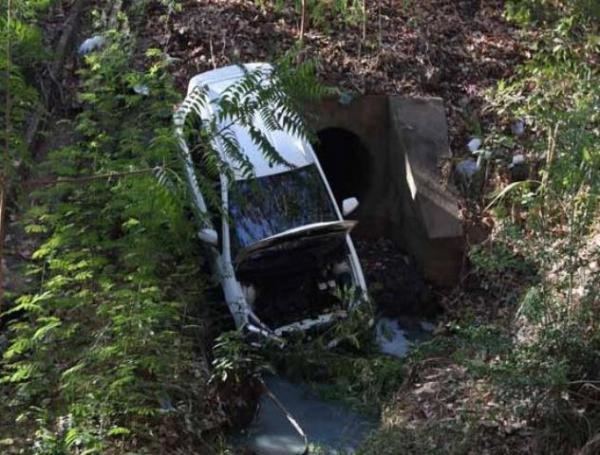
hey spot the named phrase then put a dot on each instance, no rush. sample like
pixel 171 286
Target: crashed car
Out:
pixel 281 248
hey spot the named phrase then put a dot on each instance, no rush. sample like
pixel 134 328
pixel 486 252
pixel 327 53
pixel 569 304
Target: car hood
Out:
pixel 296 239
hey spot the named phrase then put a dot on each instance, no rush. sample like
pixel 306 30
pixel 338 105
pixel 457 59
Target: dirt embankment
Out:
pixel 447 48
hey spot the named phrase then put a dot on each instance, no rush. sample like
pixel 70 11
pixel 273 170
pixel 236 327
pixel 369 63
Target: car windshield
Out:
pixel 269 205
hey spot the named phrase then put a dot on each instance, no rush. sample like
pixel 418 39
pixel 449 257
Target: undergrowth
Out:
pixel 109 349
pixel 105 346
pixel 526 381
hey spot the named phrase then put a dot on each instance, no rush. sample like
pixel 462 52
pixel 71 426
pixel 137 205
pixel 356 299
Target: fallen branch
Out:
pixel 302 20
pixel 38 183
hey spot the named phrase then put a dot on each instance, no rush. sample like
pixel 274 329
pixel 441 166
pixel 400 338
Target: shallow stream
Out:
pixel 330 428
pixel 333 427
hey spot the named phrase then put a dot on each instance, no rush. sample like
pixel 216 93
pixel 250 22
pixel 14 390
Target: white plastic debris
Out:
pixel 346 98
pixel 474 144
pixel 166 405
pixel 467 168
pixel 427 326
pixel 92 44
pixel 141 89
pixel 518 159
pixel 391 338
pixel 518 128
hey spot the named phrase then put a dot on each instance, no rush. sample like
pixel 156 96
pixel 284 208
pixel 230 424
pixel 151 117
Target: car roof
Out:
pixel 292 148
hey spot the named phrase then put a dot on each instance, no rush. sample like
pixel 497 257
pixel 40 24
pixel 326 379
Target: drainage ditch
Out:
pixel 291 416
pixel 405 234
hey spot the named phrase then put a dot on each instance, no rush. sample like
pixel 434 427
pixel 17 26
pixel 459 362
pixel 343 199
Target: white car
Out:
pixel 281 247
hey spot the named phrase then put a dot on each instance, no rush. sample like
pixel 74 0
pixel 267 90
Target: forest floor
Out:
pixel 456 50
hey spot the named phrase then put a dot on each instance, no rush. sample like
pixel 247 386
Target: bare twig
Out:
pixel 302 20
pixel 364 20
pixel 379 25
pixel 38 183
pixel 213 60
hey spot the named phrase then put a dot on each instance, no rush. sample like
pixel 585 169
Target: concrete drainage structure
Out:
pixel 387 151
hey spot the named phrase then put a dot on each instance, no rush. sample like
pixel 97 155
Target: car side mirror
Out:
pixel 209 236
pixel 349 205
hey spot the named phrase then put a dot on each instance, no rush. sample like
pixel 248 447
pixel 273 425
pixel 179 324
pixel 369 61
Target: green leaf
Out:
pixel 119 431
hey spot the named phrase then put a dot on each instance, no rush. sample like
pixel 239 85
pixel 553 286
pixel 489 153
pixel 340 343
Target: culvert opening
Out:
pixel 396 285
pixel 345 161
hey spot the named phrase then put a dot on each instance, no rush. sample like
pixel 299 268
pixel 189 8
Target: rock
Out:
pixel 518 128
pixel 474 144
pixel 466 169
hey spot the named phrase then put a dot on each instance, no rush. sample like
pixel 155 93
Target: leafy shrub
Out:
pixel 109 347
pixel 102 348
pixel 22 40
pixel 557 93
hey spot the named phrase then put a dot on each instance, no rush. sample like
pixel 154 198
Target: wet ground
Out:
pixel 401 295
pixel 395 283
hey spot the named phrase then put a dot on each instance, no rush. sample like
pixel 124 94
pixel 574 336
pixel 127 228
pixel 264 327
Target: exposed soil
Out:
pixel 395 284
pixel 448 48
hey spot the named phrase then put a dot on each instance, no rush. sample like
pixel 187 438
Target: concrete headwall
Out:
pixel 426 209
pixel 406 139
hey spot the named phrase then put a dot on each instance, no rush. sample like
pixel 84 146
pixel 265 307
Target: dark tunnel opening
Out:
pixel 345 161
pixel 389 272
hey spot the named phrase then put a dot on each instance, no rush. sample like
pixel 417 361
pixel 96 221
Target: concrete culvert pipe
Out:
pixel 345 161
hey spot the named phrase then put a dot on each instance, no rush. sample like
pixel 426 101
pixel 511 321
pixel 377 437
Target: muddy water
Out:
pixel 330 427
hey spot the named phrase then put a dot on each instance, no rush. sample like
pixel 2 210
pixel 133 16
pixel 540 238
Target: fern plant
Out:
pixel 104 349
pixel 269 95
pixel 102 341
